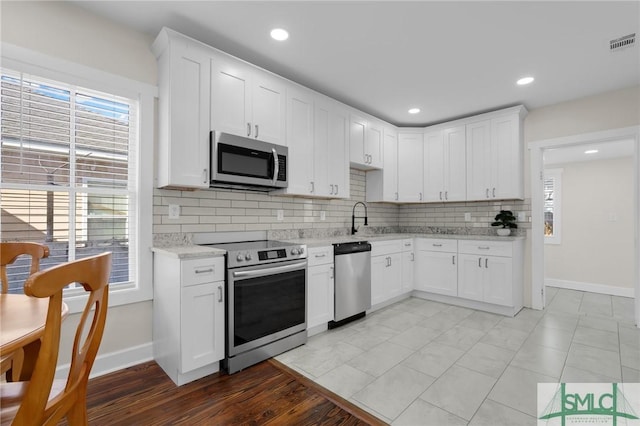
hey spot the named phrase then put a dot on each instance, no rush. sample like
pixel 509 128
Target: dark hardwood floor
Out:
pixel 266 393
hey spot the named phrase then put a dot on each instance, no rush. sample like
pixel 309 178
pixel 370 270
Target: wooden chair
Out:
pixel 43 401
pixel 9 252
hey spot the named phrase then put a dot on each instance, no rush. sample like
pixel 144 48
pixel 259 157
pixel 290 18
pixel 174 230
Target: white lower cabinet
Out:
pixel 386 270
pixel 188 315
pixel 408 265
pixel 320 288
pixel 436 266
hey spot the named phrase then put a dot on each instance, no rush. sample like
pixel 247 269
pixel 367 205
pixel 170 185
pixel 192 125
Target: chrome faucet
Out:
pixel 353 217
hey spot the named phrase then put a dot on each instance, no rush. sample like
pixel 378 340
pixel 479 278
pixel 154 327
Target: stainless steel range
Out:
pixel 266 300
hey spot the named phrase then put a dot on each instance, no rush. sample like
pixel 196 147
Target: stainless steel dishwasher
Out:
pixel 352 281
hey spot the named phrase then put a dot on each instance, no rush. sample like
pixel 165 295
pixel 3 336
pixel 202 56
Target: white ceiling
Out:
pixel 606 150
pixel 451 59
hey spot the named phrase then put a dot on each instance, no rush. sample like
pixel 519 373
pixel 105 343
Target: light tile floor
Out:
pixel 419 362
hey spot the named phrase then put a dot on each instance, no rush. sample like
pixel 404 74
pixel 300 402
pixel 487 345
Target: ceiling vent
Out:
pixel 622 42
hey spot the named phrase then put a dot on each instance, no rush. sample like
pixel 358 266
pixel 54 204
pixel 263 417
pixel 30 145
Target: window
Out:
pixel 552 205
pixel 70 175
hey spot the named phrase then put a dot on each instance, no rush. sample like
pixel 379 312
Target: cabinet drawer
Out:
pixel 379 248
pixel 486 248
pixel 437 244
pixel 198 271
pixel 407 244
pixel 320 255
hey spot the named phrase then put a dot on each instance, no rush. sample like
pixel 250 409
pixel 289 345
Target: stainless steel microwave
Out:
pixel 246 163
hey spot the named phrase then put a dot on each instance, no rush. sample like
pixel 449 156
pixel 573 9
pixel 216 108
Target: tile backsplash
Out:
pixel 226 210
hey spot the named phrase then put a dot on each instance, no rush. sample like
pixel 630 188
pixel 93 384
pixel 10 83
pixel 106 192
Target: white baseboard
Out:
pixel 114 361
pixel 590 287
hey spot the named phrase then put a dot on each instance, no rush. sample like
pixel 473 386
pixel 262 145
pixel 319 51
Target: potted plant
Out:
pixel 507 220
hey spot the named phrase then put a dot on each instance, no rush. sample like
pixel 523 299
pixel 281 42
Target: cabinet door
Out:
pixel 379 267
pixel 436 272
pixel 184 144
pixel 390 171
pixel 498 286
pixel 300 135
pixel 357 135
pixel 471 277
pixel 410 161
pixel 231 97
pixel 338 164
pixel 507 159
pixel 202 325
pixel 455 182
pixel 373 144
pixel 394 276
pixel 479 163
pixel 408 263
pixel 269 107
pixel 433 188
pixel 320 295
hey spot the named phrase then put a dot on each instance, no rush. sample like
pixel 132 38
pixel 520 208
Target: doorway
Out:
pixel 580 144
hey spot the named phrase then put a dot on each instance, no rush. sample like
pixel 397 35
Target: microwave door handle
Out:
pixel 276 165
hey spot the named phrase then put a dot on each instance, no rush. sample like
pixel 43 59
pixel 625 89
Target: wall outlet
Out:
pixel 174 211
pixel 522 216
pixel 467 217
pixel 280 215
pixel 323 215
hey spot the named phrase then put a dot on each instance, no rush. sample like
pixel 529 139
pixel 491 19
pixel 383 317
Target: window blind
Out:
pixel 67 172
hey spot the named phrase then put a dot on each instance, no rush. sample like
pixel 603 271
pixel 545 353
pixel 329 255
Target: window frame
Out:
pixel 556 175
pixel 27 61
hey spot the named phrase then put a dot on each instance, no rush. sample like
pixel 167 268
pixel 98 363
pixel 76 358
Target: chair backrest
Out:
pixel 93 274
pixel 10 251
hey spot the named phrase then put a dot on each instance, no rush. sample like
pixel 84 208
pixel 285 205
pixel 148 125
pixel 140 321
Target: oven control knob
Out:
pixel 247 256
pixel 294 251
pixel 240 258
pixel 301 250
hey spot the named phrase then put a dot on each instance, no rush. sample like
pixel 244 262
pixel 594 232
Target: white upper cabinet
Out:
pixel 495 156
pixel 382 185
pixel 444 164
pixel 365 142
pixel 410 167
pixel 247 101
pixel 183 80
pixel 317 134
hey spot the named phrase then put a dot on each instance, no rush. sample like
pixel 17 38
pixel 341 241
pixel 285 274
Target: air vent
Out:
pixel 622 42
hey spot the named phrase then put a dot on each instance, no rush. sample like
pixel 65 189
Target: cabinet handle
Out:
pixel 446 195
pixel 483 247
pixel 331 268
pixel 337 190
pixel 453 259
pixel 257 130
pixel 479 262
pixel 486 262
pixel 494 193
pixel 313 189
pixel 248 129
pixel 220 293
pixel 420 196
pixel 321 255
pixel 413 257
pixel 440 195
pixel 407 244
pixel 436 245
pixel 389 261
pixel 204 271
pixel 487 192
pixel 331 191
pixel 204 176
pixel 396 196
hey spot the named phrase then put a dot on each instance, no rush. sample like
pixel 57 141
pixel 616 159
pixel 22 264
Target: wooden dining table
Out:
pixel 22 321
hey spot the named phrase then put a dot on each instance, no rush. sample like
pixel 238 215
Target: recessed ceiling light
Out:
pixel 524 80
pixel 591 151
pixel 279 34
pixel 414 110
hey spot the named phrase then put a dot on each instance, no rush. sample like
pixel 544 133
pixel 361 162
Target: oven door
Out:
pixel 265 304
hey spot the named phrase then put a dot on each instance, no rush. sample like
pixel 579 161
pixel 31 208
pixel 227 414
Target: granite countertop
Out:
pixel 319 242
pixel 189 251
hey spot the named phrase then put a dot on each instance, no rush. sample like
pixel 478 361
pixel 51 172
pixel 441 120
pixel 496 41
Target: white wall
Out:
pixel 595 248
pixel 66 31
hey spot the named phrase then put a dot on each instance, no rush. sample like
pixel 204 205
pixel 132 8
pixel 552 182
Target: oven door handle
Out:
pixel 270 271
